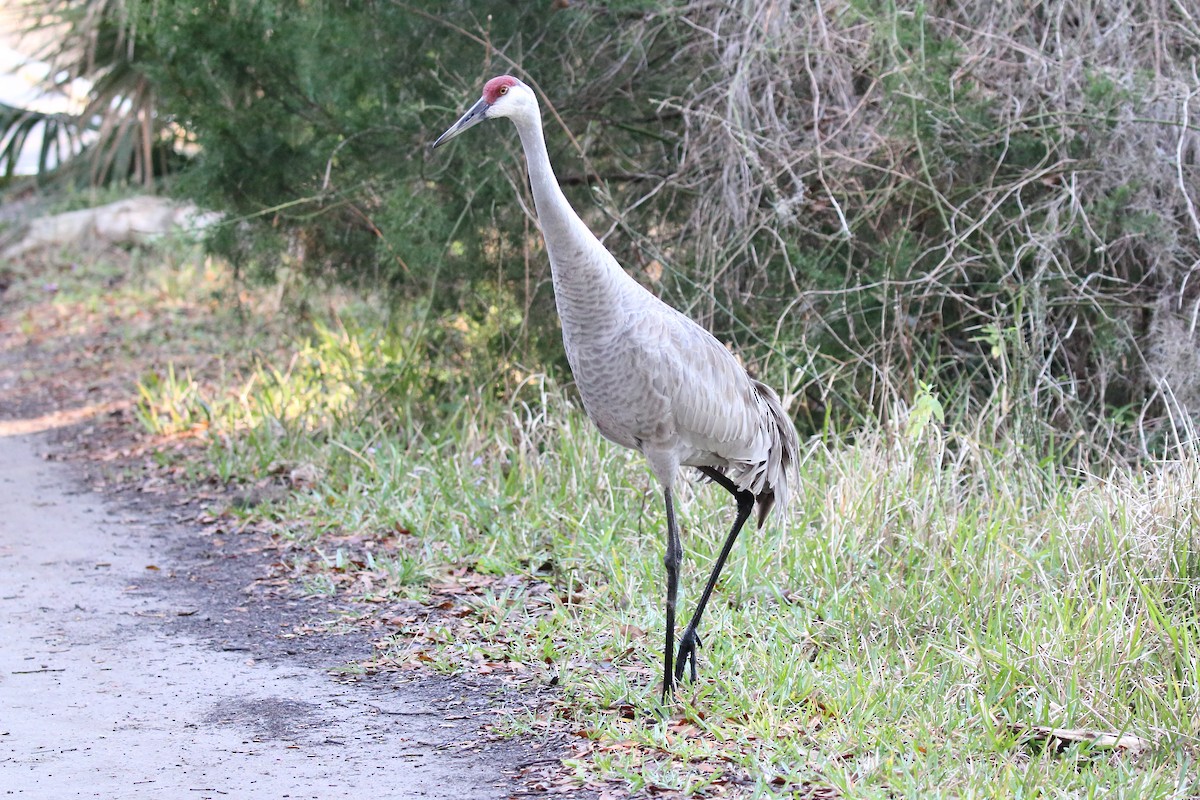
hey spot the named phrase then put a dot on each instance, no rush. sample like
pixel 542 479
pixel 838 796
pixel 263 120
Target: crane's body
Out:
pixel 650 378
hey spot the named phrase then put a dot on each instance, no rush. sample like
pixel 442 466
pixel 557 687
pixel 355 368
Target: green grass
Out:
pixel 927 597
pixel 933 592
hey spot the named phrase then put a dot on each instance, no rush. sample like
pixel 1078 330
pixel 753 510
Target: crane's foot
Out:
pixel 689 642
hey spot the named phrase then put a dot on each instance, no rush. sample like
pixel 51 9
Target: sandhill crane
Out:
pixel 649 377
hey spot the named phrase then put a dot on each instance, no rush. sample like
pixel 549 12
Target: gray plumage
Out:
pixel 650 378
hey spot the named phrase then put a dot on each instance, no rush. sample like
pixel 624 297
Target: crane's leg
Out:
pixel 671 560
pixel 689 640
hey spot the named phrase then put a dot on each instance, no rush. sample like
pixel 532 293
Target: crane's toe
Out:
pixel 689 642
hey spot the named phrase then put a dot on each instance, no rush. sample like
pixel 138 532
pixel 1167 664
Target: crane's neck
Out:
pixel 579 263
pixel 558 221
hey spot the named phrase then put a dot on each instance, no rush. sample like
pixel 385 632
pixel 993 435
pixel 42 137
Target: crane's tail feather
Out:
pixel 769 479
pixel 783 455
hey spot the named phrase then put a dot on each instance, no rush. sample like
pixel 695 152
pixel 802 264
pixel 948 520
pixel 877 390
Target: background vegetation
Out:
pixel 998 198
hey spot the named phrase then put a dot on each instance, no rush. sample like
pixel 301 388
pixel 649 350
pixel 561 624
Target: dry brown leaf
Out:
pixel 1061 738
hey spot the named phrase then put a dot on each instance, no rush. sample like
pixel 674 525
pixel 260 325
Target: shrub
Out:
pixel 908 190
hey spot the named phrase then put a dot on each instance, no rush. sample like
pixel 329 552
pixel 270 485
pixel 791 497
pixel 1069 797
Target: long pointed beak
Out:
pixel 467 120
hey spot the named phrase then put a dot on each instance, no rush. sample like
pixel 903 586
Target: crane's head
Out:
pixel 503 96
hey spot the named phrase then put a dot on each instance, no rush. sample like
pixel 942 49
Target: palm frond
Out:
pixel 119 136
pixel 60 134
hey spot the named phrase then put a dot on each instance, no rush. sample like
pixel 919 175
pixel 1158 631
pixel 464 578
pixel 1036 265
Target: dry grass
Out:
pixel 898 187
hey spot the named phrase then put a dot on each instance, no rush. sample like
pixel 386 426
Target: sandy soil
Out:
pixel 140 660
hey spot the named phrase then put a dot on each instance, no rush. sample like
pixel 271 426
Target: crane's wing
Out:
pixel 712 399
pixel 696 400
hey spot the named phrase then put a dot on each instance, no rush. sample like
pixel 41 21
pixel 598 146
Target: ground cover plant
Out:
pixel 944 612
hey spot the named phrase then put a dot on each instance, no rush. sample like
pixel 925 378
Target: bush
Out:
pixel 987 195
pixel 314 126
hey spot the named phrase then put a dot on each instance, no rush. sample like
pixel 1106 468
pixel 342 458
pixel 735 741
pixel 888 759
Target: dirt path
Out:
pixel 135 663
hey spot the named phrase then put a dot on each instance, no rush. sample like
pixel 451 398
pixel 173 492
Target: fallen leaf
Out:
pixel 631 631
pixel 1061 738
